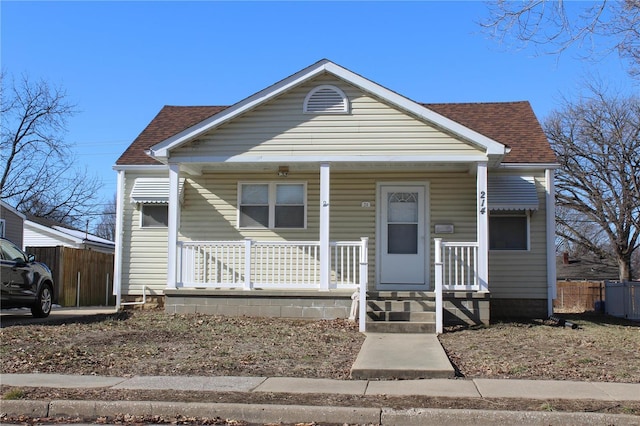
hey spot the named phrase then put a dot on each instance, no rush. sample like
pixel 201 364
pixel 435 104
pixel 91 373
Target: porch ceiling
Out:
pixel 198 168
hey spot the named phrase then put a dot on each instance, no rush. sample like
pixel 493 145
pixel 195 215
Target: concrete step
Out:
pixel 401 316
pixel 401 295
pixel 401 305
pixel 400 327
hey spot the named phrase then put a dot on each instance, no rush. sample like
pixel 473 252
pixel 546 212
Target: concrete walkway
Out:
pixel 542 390
pixel 23 315
pixel 401 356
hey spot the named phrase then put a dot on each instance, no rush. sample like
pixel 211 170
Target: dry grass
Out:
pixel 154 343
pixel 601 349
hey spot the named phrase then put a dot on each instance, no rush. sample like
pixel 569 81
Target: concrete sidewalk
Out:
pixel 542 390
pixel 450 388
pixel 277 413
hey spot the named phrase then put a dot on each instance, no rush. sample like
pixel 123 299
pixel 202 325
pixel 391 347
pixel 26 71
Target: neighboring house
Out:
pixel 288 201
pixel 40 232
pixel 586 268
pixel 11 224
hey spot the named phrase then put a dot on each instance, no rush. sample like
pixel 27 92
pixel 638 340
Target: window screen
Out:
pixel 508 231
pixel 155 215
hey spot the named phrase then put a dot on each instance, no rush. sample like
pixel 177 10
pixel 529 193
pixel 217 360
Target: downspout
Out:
pixel 117 266
pixel 551 237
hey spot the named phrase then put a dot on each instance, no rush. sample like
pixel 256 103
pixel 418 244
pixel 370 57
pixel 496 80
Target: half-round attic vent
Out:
pixel 326 99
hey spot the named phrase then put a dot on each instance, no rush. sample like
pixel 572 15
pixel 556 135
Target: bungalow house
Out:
pixel 328 195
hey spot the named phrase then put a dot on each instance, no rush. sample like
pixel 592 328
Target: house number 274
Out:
pixel 483 202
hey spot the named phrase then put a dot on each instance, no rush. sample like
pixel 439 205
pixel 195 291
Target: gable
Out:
pixel 497 129
pixel 281 128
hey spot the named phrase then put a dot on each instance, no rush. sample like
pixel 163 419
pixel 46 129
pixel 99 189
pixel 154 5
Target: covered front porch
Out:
pixel 326 278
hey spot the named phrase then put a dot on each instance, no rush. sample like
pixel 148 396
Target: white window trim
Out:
pixel 272 203
pixel 336 89
pixel 3 227
pixel 141 208
pixel 516 213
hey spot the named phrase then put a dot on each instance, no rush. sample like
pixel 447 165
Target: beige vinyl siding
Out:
pixel 453 201
pixel 280 127
pixel 209 210
pixel 144 251
pixel 523 274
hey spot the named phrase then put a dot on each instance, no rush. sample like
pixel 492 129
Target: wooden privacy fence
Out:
pixel 81 277
pixel 578 296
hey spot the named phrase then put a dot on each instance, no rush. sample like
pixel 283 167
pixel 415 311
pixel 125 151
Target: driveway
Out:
pixel 23 316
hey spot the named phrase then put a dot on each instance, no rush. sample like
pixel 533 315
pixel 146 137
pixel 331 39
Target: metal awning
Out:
pixel 512 193
pixel 154 191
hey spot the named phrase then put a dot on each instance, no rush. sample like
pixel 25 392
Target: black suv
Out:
pixel 25 282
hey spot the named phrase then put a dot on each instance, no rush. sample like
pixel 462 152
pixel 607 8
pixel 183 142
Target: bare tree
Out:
pixel 38 174
pixel 106 227
pixel 597 142
pixel 597 28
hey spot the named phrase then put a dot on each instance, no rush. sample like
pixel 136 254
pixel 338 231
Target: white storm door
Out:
pixel 402 236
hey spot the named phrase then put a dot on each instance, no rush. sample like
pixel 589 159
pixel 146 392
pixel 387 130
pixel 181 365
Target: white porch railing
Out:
pixel 456 268
pixel 460 266
pixel 268 264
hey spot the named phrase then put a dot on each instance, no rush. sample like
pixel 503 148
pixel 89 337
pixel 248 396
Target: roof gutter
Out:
pixel 537 166
pixel 139 167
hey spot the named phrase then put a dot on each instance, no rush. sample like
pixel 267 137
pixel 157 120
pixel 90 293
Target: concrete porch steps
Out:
pixel 401 312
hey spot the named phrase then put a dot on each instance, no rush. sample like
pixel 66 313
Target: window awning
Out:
pixel 512 193
pixel 154 191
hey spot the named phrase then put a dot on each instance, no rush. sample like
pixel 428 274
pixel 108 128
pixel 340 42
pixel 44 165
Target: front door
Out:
pixel 401 234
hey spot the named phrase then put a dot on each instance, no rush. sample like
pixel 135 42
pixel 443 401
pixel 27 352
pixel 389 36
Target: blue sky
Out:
pixel 120 62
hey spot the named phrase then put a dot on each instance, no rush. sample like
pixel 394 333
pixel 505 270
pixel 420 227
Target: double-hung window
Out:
pixel 272 205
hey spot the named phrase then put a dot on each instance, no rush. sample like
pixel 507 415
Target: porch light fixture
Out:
pixel 283 171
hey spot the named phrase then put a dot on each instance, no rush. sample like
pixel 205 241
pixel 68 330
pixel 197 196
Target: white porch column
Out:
pixel 551 238
pixel 483 227
pixel 174 221
pixel 438 275
pixel 325 249
pixel 117 266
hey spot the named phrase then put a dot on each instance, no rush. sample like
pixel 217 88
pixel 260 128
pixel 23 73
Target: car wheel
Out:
pixel 42 308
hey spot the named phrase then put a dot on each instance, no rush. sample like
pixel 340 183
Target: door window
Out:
pixel 402 223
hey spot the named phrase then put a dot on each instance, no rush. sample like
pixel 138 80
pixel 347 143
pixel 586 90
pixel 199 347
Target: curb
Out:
pixel 265 413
